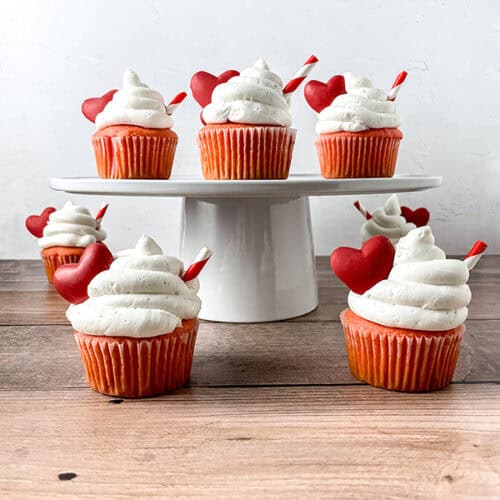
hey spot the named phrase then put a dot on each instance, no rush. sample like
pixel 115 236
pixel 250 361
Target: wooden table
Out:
pixel 272 410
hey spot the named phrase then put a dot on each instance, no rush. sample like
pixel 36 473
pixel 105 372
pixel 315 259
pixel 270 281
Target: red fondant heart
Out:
pixel 361 269
pixel 420 216
pixel 71 280
pixel 319 95
pixel 202 84
pixel 94 105
pixel 36 223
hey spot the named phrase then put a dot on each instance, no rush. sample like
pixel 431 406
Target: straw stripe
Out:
pixel 363 210
pixel 198 264
pixel 301 75
pixel 475 253
pixel 175 102
pixel 398 82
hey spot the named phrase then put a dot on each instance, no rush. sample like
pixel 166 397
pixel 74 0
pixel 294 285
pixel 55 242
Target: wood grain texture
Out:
pixel 24 282
pixel 315 442
pixel 285 353
pixel 272 411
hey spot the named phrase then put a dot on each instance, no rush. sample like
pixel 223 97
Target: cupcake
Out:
pixel 247 132
pixel 357 127
pixel 134 139
pixel 136 331
pixel 387 221
pixel 64 234
pixel 391 220
pixel 407 309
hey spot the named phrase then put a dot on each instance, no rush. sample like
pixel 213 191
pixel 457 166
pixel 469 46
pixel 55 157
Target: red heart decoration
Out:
pixel 361 269
pixel 36 223
pixel 420 216
pixel 71 280
pixel 319 95
pixel 94 105
pixel 202 84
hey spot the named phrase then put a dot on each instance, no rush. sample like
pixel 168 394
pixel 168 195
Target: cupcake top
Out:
pixel 72 226
pixel 387 221
pixel 254 97
pixel 424 290
pixel 362 107
pixel 135 104
pixel 140 295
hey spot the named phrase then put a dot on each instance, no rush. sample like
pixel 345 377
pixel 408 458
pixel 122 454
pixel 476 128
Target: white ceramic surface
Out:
pixel 263 266
pixel 295 185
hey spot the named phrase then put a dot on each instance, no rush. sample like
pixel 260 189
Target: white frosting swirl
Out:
pixel 424 291
pixel 135 104
pixel 140 295
pixel 254 97
pixel 361 108
pixel 72 226
pixel 387 221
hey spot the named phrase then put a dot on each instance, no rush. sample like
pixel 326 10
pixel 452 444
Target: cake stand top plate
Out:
pixel 195 187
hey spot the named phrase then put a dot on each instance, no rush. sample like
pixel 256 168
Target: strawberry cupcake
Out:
pixel 247 132
pixel 64 234
pixel 357 127
pixel 137 329
pixel 387 221
pixel 134 137
pixel 407 308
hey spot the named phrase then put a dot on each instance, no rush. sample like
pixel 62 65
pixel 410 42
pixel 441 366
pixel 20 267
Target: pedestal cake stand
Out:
pixel 263 265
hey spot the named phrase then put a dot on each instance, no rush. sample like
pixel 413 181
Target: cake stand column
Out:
pixel 263 266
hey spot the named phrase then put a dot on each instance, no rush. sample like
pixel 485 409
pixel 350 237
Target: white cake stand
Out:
pixel 263 265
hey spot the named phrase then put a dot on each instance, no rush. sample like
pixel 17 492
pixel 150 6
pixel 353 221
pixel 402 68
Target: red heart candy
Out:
pixel 94 105
pixel 71 280
pixel 36 223
pixel 319 95
pixel 420 216
pixel 361 269
pixel 202 84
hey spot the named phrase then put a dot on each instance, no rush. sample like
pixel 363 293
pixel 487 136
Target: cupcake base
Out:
pixel 129 152
pixel 138 367
pixel 370 153
pixel 232 151
pixel 53 257
pixel 399 359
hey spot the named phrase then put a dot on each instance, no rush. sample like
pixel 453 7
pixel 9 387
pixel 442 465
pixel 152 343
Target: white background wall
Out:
pixel 54 54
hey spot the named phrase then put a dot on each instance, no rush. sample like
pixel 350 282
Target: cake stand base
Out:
pixel 263 266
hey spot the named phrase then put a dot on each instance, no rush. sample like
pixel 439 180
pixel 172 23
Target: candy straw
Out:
pixel 174 103
pixel 301 75
pixel 364 212
pixel 475 253
pixel 198 264
pixel 393 93
pixel 100 215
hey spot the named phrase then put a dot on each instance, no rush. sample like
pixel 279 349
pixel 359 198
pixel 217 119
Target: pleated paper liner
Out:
pixel 53 257
pixel 399 359
pixel 138 367
pixel 371 153
pixel 232 151
pixel 127 152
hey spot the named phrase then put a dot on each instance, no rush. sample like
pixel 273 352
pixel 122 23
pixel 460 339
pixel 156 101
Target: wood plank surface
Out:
pixel 271 411
pixel 314 442
pixel 26 283
pixel 283 353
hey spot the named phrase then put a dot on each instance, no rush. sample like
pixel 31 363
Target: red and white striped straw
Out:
pixel 393 93
pixel 198 264
pixel 301 75
pixel 100 214
pixel 475 253
pixel 364 212
pixel 175 102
